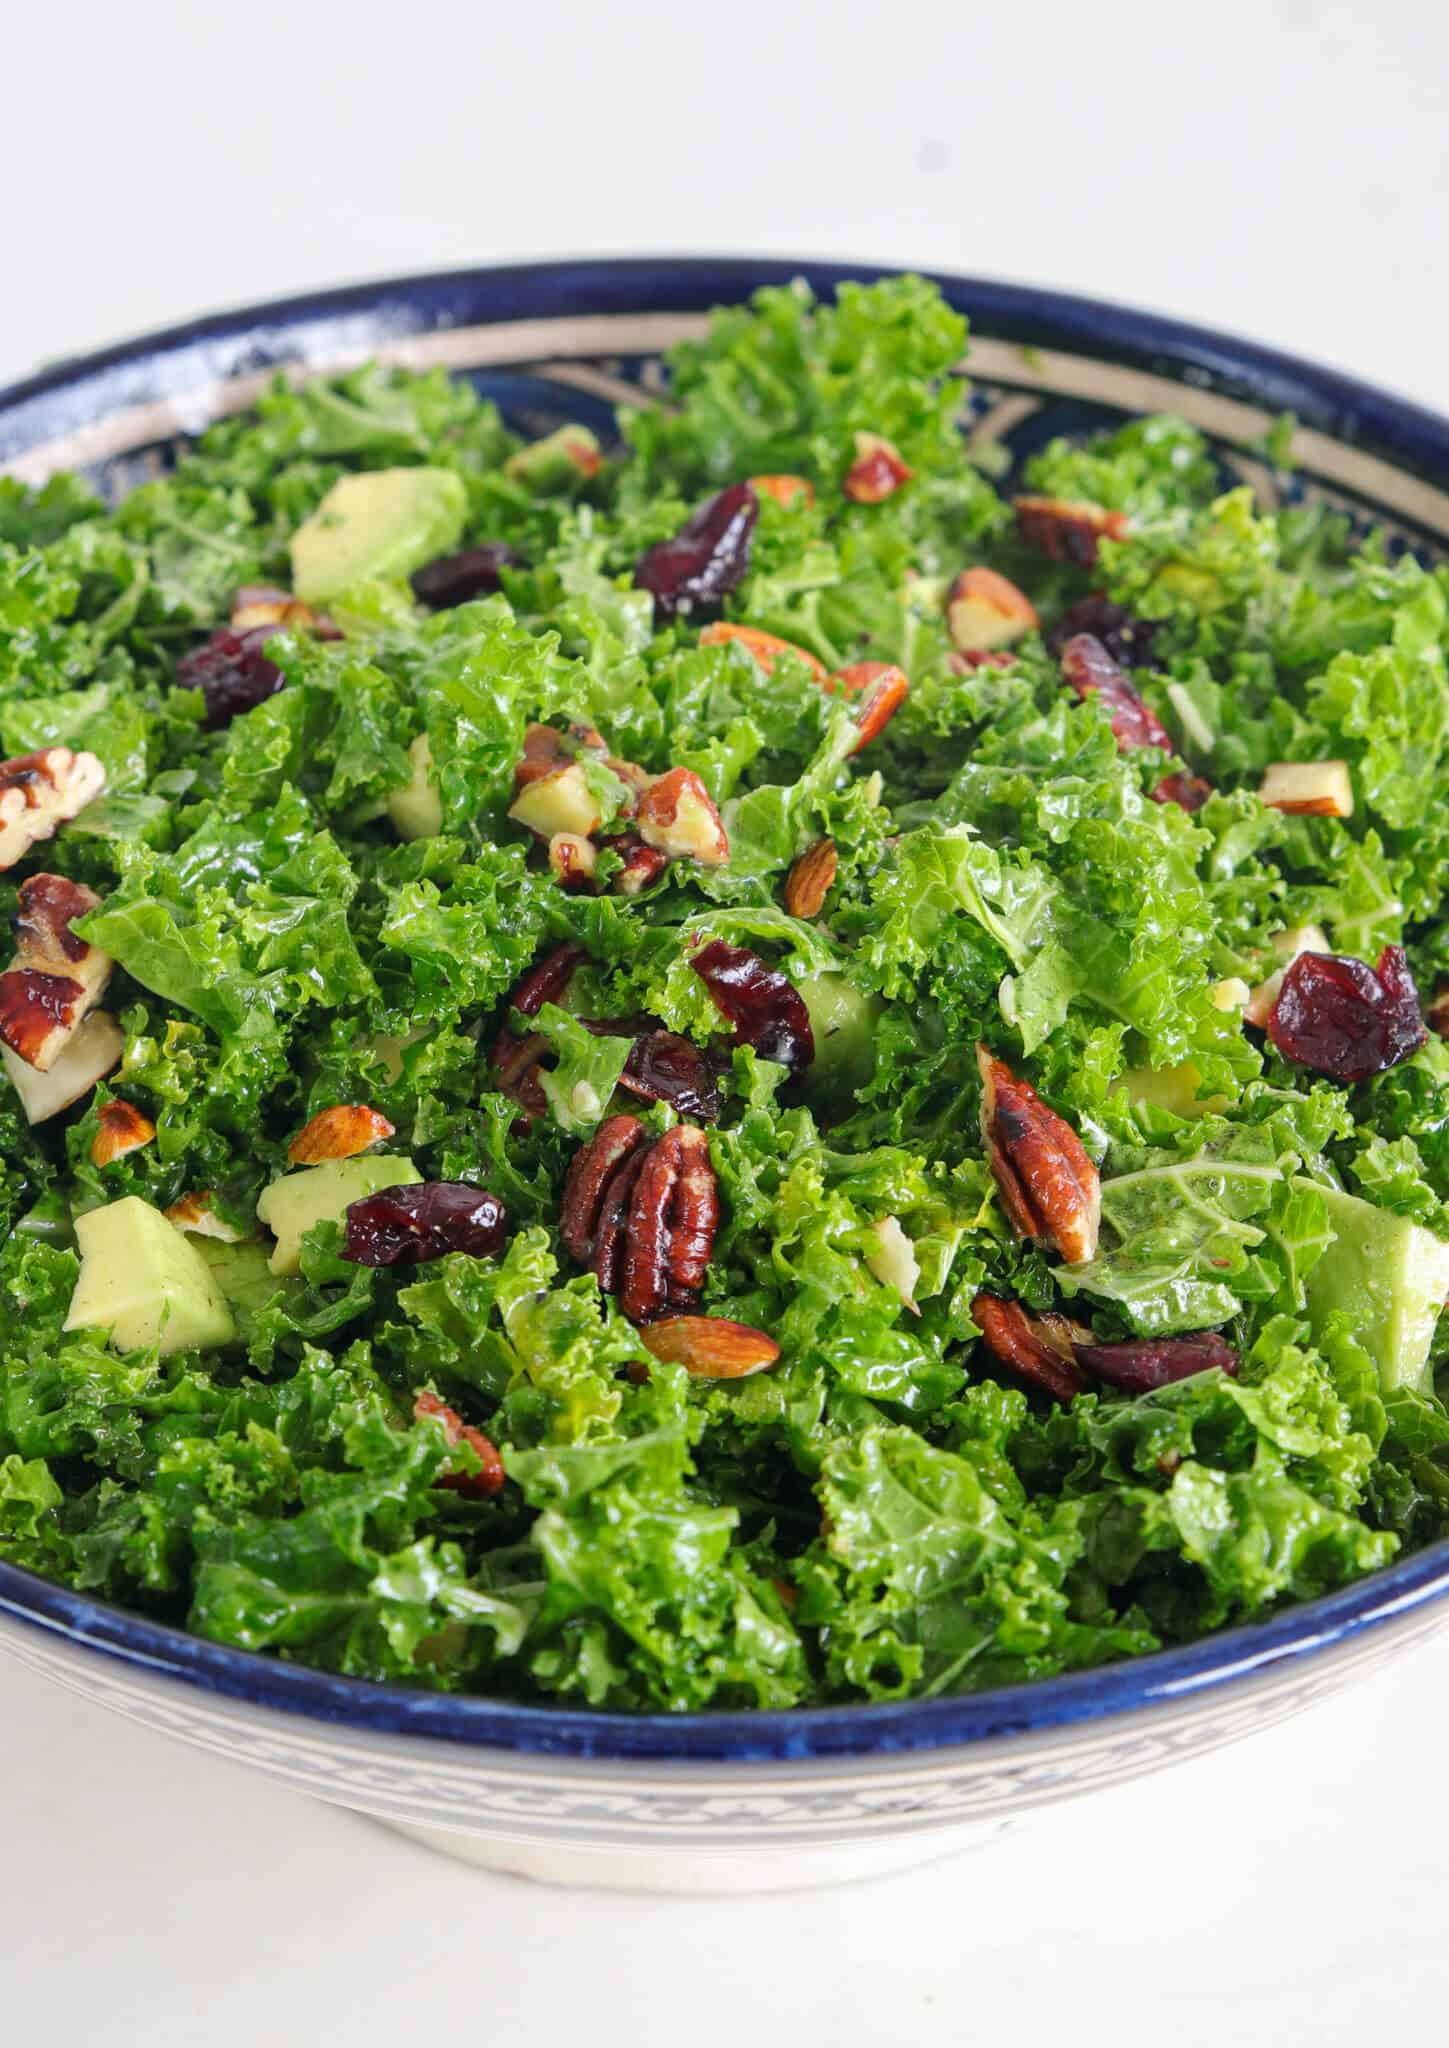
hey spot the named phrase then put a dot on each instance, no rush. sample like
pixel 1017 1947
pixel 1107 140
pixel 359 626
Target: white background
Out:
pixel 1279 169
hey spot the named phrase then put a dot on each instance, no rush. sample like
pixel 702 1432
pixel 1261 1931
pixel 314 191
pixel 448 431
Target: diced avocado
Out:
pixel 1390 1276
pixel 144 1282
pixel 242 1271
pixel 323 1194
pixel 376 527
pixel 843 1020
pixel 1171 1088
pixel 567 456
pixel 416 809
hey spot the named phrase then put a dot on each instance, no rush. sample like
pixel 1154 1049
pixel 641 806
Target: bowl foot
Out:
pixel 693 1871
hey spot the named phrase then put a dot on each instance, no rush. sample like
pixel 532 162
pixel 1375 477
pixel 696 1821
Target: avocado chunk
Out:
pixel 843 1020
pixel 1171 1088
pixel 145 1283
pixel 241 1271
pixel 323 1194
pixel 570 455
pixel 376 527
pixel 1390 1276
pixel 416 809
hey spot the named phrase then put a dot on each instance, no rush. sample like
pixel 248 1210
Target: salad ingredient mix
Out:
pixel 757 1067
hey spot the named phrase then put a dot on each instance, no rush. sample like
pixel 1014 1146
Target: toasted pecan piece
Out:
pixel 679 818
pixel 878 471
pixel 1049 1186
pixel 811 879
pixel 642 1215
pixel 483 1485
pixel 642 864
pixel 120 1128
pixel 592 1168
pixel 1068 529
pixel 1141 1365
pixel 710 1347
pixel 56 977
pixel 1036 1348
pixel 41 792
pixel 340 1132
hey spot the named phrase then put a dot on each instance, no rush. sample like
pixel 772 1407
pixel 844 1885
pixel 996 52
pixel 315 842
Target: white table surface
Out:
pixel 1279 169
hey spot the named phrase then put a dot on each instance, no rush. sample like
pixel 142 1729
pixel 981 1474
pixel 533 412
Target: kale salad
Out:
pixel 771 1064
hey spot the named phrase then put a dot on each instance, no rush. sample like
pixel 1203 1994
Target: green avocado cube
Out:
pixel 1390 1276
pixel 416 808
pixel 377 527
pixel 323 1194
pixel 144 1282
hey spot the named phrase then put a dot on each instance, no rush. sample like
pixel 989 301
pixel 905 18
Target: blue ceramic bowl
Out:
pixel 654 1800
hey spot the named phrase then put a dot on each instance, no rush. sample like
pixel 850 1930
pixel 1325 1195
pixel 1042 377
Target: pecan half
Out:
pixel 1049 1186
pixel 120 1128
pixel 1089 670
pixel 710 1347
pixel 878 471
pixel 680 819
pixel 482 1485
pixel 1067 529
pixel 767 648
pixel 39 793
pixel 340 1132
pixel 642 1215
pixel 1036 1348
pixel 56 977
pixel 1138 1367
pixel 811 879
pixel 546 981
pixel 673 1217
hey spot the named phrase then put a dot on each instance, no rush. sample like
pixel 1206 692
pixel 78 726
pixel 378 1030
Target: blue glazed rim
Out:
pixel 87 389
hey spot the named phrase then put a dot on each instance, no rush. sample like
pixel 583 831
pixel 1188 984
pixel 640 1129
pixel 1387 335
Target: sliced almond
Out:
pixel 985 611
pixel 767 648
pixel 1309 789
pixel 121 1128
pixel 811 879
pixel 710 1347
pixel 340 1132
pixel 559 801
pixel 892 1259
pixel 678 816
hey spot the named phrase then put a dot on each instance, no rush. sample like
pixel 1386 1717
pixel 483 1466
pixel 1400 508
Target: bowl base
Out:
pixel 695 1872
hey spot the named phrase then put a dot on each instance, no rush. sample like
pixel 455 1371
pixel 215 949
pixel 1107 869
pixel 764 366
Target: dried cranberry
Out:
pixel 1089 669
pixel 1345 1019
pixel 1129 640
pixel 1139 1367
pixel 457 579
pixel 706 559
pixel 232 672
pixel 403 1226
pixel 764 1005
pixel 663 1067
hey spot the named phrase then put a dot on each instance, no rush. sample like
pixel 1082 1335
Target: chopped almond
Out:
pixel 767 648
pixel 121 1128
pixel 199 1215
pixel 784 489
pixel 340 1132
pixel 810 880
pixel 880 686
pixel 892 1259
pixel 710 1347
pixel 985 611
pixel 1311 789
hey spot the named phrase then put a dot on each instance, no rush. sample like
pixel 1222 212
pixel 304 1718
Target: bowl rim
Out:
pixel 1407 435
